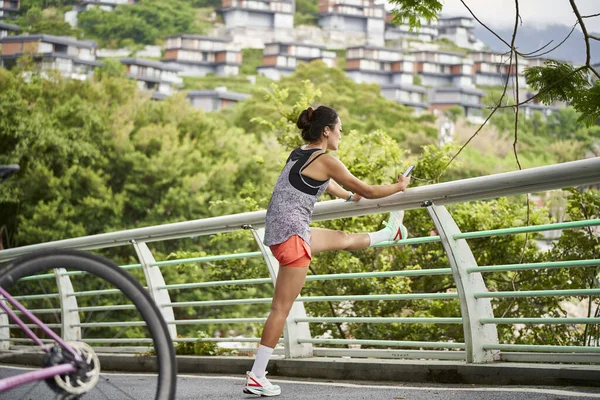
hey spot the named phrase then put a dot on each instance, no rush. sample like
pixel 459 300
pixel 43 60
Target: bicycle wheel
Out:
pixel 91 276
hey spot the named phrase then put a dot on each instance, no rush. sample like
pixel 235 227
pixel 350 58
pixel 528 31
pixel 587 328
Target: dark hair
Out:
pixel 313 122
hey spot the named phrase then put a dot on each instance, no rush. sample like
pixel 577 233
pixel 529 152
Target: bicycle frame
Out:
pixel 45 373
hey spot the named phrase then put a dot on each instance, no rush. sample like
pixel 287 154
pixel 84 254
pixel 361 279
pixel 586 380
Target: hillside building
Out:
pixel 159 78
pixel 281 59
pixel 459 30
pixel 353 17
pixel 215 100
pixel 443 68
pixel 468 98
pixel 197 55
pixel 73 58
pixel 6 29
pixel 9 9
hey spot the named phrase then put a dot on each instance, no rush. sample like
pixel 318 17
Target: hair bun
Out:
pixel 310 113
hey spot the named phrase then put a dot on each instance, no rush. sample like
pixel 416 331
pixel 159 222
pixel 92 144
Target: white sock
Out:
pixel 260 362
pixel 382 235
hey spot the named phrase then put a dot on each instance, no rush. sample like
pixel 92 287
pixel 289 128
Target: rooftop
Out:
pixel 149 63
pixel 66 40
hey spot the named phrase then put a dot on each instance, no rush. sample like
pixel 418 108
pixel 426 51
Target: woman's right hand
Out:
pixel 404 181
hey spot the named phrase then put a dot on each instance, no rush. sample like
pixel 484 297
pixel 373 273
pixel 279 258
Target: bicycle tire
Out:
pixel 106 269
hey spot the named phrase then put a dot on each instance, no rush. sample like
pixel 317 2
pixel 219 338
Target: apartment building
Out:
pixel 197 55
pixel 73 58
pixel 160 78
pixel 351 17
pixel 382 65
pixel 426 33
pixel 392 69
pixel 492 69
pixel 264 14
pixel 468 98
pixel 9 9
pixel 443 68
pixel 407 95
pixel 215 100
pixel 6 29
pixel 460 31
pixel 282 58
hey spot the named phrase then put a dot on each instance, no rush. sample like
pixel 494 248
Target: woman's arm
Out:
pixel 334 189
pixel 339 173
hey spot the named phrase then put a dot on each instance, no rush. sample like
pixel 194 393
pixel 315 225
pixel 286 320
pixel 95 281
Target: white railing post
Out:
pixel 155 280
pixel 71 329
pixel 472 309
pixel 5 330
pixel 292 330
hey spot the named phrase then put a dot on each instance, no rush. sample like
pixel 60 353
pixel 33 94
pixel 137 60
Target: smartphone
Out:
pixel 409 170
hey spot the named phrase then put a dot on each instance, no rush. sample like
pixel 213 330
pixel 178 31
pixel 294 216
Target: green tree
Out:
pixel 145 22
pixel 48 21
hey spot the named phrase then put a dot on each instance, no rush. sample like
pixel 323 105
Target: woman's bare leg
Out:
pixel 288 286
pixel 327 239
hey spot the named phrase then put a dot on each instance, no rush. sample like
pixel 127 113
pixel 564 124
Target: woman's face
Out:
pixel 334 135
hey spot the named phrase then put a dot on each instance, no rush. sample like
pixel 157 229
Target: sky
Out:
pixel 540 13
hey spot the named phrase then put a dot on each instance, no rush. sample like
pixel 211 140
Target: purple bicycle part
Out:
pixel 33 376
pixel 21 324
pixel 39 323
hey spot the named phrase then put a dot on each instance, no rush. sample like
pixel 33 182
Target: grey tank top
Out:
pixel 293 201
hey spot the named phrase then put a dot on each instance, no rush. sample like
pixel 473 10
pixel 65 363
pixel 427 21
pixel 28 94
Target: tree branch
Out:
pixel 484 25
pixel 586 37
pixel 526 55
pixel 545 89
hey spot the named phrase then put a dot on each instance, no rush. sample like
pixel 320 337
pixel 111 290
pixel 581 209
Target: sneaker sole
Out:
pixel 248 391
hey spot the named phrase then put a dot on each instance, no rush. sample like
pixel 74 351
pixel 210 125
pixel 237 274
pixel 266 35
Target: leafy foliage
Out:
pixel 412 11
pixel 146 22
pixel 47 21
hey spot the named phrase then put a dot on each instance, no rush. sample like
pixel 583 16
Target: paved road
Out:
pixel 230 387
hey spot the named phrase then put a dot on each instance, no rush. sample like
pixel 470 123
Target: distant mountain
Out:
pixel 530 39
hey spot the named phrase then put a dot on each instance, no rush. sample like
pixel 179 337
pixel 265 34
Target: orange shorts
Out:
pixel 294 252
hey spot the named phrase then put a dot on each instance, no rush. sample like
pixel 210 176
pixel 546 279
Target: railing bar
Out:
pixel 109 324
pixel 207 321
pixel 40 311
pixel 413 272
pixel 384 320
pixel 539 321
pixel 382 274
pixel 104 308
pixel 30 326
pixel 396 343
pixel 542 348
pixel 217 283
pixel 37 296
pixel 418 240
pixel 524 229
pixel 413 296
pixel 71 273
pixel 538 293
pixel 254 254
pixel 543 265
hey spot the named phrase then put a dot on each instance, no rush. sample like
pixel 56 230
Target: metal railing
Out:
pixel 478 322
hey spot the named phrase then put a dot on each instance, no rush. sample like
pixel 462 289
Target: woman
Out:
pixel 310 171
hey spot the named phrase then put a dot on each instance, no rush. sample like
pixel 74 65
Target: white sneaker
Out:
pixel 398 231
pixel 261 387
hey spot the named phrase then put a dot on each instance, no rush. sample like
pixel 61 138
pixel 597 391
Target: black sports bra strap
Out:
pixel 313 159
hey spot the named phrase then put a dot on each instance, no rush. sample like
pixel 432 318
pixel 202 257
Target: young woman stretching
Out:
pixel 309 172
